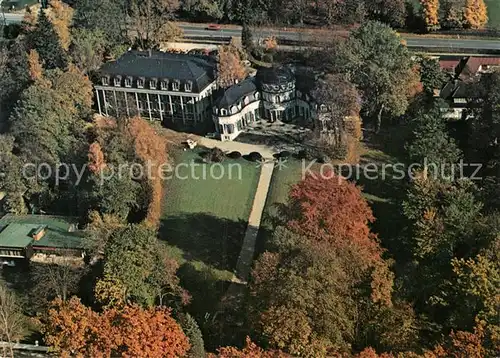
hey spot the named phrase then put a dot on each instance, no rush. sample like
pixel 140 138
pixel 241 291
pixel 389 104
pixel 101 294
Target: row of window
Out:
pixel 153 83
pixel 10 253
pixel 275 88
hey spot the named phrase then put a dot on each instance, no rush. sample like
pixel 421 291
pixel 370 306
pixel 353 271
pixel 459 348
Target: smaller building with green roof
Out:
pixel 21 236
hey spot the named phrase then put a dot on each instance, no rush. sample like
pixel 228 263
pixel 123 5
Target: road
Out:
pixel 411 41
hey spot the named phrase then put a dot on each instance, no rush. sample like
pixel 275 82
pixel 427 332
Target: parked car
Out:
pixel 214 27
pixel 212 135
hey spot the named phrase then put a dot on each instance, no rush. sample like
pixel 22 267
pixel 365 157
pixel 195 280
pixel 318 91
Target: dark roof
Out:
pixel 162 65
pixel 275 75
pixel 234 93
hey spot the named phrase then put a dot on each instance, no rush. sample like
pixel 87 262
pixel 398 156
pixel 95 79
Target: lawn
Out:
pixel 284 177
pixel 493 13
pixel 204 221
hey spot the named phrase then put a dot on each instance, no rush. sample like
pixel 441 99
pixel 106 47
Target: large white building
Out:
pixel 176 89
pixel 181 91
pixel 270 95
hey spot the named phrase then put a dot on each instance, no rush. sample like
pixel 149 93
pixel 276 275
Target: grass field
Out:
pixel 281 182
pixel 204 221
pixel 493 13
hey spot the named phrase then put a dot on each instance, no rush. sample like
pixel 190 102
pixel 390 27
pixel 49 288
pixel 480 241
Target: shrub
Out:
pixel 284 154
pixel 255 157
pixel 216 155
pixel 234 155
pixel 267 57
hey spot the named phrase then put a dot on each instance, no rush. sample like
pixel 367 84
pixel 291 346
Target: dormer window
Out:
pixel 175 85
pixel 128 82
pixel 164 85
pixel 153 83
pixel 140 83
pixel 188 86
pixel 118 81
pixel 105 80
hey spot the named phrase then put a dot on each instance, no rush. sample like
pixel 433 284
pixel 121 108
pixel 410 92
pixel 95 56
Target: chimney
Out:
pixel 39 232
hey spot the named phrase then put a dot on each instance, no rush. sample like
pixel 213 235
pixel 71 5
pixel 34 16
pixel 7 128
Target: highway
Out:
pixel 295 35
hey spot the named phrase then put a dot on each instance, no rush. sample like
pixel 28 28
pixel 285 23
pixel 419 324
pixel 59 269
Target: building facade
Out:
pixel 172 88
pixel 270 95
pixel 180 90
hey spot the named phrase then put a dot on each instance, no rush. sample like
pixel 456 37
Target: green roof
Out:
pixel 16 235
pixel 17 231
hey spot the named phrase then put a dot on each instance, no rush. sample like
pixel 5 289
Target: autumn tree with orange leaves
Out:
pixel 230 69
pixel 251 350
pixel 430 9
pixel 475 14
pixel 96 158
pixel 61 16
pixel 35 68
pixel 71 328
pixel 306 288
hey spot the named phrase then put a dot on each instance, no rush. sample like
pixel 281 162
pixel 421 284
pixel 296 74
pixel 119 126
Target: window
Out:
pixel 188 86
pixel 223 112
pixel 118 81
pixel 128 82
pixel 175 85
pixel 140 83
pixel 105 81
pixel 164 85
pixel 152 83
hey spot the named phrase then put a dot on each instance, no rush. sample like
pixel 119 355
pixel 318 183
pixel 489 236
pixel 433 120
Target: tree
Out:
pixel 96 158
pixel 381 68
pixel 95 15
pixel 453 13
pixel 71 328
pixel 29 20
pixel 230 69
pixel 340 101
pixel 392 12
pixel 475 283
pixel 484 133
pixel 203 8
pixel 331 209
pixel 99 231
pixel 129 262
pixel 247 37
pixel 47 121
pixel 165 282
pixel 147 332
pixel 251 350
pixel 46 42
pixel 12 321
pixel 11 181
pixel 61 16
pixel 305 287
pixel 150 21
pixel 431 75
pixel 56 278
pixel 430 144
pixel 36 70
pixel 430 12
pixel 193 332
pixel 87 49
pixel 475 14
pixel 345 12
